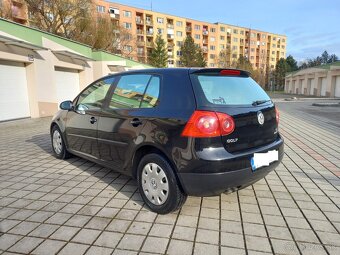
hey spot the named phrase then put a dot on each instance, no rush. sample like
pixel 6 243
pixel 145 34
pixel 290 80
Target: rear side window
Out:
pixel 135 91
pixel 227 90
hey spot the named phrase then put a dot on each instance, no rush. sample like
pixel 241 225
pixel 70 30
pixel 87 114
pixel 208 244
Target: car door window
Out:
pixel 129 91
pixel 151 96
pixel 93 97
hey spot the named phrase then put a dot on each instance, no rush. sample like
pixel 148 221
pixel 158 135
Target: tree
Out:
pixel 223 59
pixel 244 64
pixel 188 50
pixel 291 63
pixel 59 17
pixel 325 58
pixel 159 53
pixel 282 67
pixel 6 10
pixel 200 59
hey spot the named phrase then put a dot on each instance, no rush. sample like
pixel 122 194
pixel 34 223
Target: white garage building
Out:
pixel 39 70
pixel 322 80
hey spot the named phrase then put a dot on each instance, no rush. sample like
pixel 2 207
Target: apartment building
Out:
pixel 263 49
pixel 15 10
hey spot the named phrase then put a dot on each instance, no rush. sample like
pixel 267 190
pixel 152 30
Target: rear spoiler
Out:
pixel 220 71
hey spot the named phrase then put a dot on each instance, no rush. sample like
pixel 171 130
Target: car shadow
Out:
pixel 125 186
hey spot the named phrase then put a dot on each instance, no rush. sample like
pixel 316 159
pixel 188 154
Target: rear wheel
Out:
pixel 158 185
pixel 58 144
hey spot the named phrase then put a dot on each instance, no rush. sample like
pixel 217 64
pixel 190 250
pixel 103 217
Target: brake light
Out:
pixel 277 116
pixel 209 124
pixel 230 72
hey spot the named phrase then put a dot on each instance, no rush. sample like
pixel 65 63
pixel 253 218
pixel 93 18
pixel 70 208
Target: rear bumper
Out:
pixel 215 183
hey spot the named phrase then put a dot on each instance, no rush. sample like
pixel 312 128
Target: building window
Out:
pixel 100 8
pixel 282 54
pixel 235 39
pixel 234 48
pixel 127 14
pixel 273 52
pixel 252 57
pixel 282 46
pixel 235 31
pixel 283 40
pixel 222 29
pixel 252 35
pixel 212 39
pixel 212 47
pixel 212 30
pixel 252 50
pixel 128 48
pixel 241 32
pixel 127 25
pixel 212 65
pixel 179 43
pixel 197 27
pixel 263 43
pixel 274 45
pixel 222 38
pixel 179 53
pixel 222 46
pixel 160 31
pixel 160 20
pixel 197 36
pixel 274 38
pixel 212 56
pixel 228 31
pixel 179 23
pixel 273 59
pixel 179 34
pixel 263 36
pixel 234 55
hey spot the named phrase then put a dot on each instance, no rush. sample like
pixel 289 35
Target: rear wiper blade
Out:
pixel 258 102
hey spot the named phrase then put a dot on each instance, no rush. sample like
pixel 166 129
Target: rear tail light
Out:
pixel 209 124
pixel 277 115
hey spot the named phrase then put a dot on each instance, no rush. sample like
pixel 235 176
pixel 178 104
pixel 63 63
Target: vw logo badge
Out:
pixel 260 117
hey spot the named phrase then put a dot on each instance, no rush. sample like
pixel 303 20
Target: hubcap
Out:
pixel 155 184
pixel 57 142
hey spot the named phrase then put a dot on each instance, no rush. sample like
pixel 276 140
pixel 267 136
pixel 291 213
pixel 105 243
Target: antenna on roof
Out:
pixel 151 5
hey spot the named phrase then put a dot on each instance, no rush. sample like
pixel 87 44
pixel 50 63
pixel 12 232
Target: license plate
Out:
pixel 263 159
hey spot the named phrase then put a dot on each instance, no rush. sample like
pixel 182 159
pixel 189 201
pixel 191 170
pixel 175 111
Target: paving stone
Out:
pixel 139 228
pixel 203 249
pixel 108 239
pixel 7 240
pixel 65 233
pixel 44 230
pixel 207 236
pixel 74 249
pixel 311 249
pixel 96 250
pixel 161 230
pixel 178 247
pixel 49 247
pixel 26 245
pixel 232 240
pixel 279 232
pixel 131 242
pixel 184 233
pixel 86 236
pixel 284 247
pixel 155 245
pixel 304 235
pixel 23 228
pixel 258 243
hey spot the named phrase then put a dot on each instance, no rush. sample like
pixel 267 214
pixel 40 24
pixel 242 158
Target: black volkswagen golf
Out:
pixel 179 132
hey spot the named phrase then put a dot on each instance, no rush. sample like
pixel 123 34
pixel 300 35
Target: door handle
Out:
pixel 136 122
pixel 93 120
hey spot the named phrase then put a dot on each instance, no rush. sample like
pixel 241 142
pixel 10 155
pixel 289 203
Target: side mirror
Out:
pixel 66 105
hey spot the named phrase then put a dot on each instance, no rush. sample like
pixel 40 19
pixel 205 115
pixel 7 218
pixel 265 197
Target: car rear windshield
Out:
pixel 227 90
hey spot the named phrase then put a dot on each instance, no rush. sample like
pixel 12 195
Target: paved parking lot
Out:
pixel 74 207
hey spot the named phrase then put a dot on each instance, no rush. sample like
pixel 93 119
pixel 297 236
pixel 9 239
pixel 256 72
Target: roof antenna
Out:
pixel 151 5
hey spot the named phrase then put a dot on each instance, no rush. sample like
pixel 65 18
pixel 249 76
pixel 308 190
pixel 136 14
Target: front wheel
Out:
pixel 58 144
pixel 158 185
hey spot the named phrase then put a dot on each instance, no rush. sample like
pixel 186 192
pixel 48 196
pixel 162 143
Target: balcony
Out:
pixel 205 32
pixel 140 53
pixel 140 43
pixel 18 2
pixel 188 29
pixel 205 49
pixel 171 45
pixel 170 54
pixel 149 23
pixel 139 21
pixel 114 16
pixel 140 32
pixel 170 26
pixel 149 32
pixel 171 37
pixel 149 44
pixel 205 41
pixel 170 31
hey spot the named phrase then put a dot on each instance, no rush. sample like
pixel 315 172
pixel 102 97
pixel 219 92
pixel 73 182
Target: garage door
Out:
pixel 14 102
pixel 67 83
pixel 323 86
pixel 337 86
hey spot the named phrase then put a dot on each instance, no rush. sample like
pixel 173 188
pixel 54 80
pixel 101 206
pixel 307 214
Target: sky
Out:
pixel 311 26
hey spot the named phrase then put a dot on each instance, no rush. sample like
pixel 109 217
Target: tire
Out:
pixel 58 144
pixel 158 185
